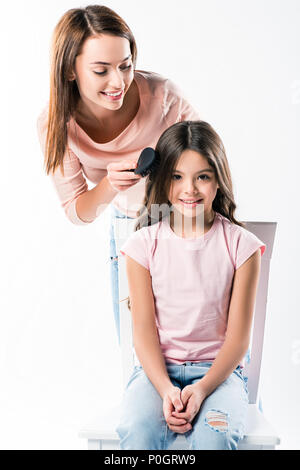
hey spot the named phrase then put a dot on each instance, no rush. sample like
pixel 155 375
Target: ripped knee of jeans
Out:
pixel 113 258
pixel 217 420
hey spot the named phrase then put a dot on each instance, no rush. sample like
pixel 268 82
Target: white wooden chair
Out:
pixel 259 433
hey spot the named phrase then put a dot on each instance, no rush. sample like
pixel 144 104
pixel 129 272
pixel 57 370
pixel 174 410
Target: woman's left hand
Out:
pixel 192 397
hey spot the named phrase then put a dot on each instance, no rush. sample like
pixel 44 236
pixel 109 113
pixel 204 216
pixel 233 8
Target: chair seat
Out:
pixel 258 432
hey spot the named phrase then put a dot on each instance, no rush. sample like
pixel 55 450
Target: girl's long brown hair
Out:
pixel 202 138
pixel 75 26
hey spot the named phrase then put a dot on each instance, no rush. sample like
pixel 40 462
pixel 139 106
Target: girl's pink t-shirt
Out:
pixel 191 282
pixel 162 104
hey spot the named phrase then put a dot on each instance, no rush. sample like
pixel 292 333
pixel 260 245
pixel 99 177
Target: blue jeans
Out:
pixel 142 424
pixel 114 270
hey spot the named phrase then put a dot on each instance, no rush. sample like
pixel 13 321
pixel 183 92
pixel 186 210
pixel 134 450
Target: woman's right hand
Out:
pixel 119 177
pixel 172 402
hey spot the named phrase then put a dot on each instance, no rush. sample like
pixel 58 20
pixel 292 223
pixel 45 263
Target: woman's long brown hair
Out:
pixel 75 26
pixel 202 138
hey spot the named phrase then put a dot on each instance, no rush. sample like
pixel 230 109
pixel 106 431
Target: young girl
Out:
pixel 101 113
pixel 192 271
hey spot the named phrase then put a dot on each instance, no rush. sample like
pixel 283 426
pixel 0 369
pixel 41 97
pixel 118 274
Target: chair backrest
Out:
pixel 265 231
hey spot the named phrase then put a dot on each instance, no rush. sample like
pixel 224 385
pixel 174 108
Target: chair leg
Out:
pixel 94 444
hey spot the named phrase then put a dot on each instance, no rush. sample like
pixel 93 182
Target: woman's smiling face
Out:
pixel 104 66
pixel 193 179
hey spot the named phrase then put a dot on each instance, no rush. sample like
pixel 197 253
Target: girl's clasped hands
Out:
pixel 181 406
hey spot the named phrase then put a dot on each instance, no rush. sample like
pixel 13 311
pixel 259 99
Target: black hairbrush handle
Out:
pixel 146 162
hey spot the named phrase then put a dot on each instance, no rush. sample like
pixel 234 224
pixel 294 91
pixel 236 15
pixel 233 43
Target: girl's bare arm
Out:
pixel 145 336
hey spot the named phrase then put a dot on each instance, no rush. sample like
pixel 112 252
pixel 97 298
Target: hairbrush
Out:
pixel 147 163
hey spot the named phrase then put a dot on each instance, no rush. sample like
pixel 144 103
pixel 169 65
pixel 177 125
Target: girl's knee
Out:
pixel 215 432
pixel 139 433
pixel 140 423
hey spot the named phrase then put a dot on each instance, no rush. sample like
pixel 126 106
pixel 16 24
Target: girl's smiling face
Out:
pixel 195 180
pixel 104 66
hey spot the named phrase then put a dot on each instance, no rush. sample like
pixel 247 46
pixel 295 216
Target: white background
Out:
pixel 238 64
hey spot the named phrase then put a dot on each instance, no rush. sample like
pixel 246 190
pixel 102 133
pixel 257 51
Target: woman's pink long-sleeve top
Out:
pixel 161 105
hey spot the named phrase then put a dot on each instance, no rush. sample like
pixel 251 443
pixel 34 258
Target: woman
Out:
pixel 101 113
